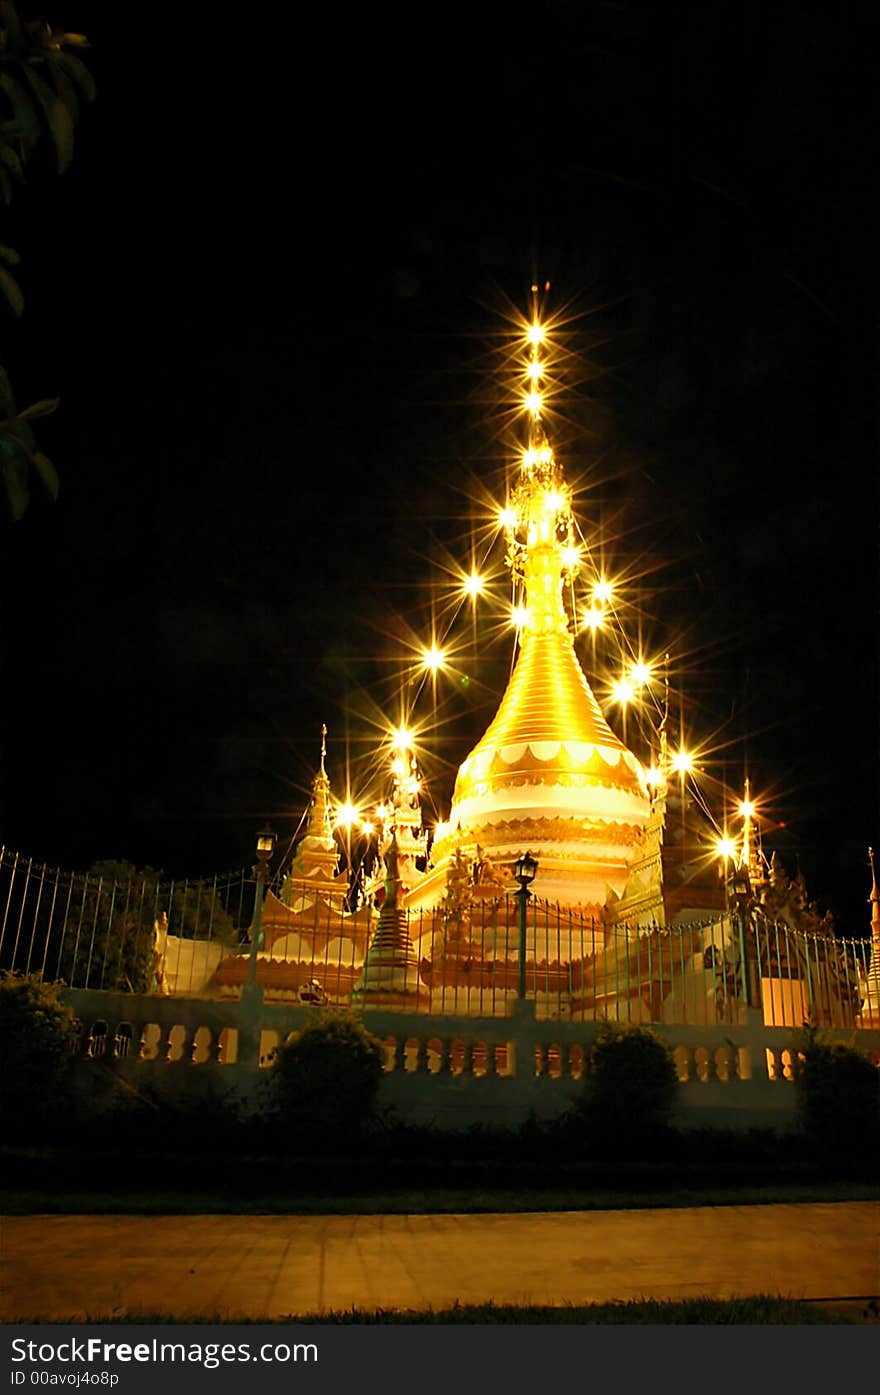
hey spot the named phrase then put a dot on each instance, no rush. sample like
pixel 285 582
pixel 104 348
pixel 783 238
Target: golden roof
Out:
pixel 548 721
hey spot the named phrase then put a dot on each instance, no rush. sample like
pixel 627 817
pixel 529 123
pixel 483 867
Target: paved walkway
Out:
pixel 64 1267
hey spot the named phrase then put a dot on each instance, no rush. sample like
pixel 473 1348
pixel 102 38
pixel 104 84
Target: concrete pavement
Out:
pixel 224 1267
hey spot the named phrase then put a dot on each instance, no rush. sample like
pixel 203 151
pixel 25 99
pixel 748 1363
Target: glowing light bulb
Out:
pixel 367 828
pixel 433 659
pixel 534 370
pixel 519 615
pixel 725 847
pixel 507 518
pixel 440 830
pixel 571 556
pixel 347 814
pixel 553 501
pixel 682 762
pixel 653 776
pixel 545 455
pixel 593 620
pixel 747 808
pixel 530 458
pixel 401 739
pixel 535 334
pixel 533 401
pixel 602 591
pixel 640 673
pixel 623 691
pixel 398 767
pixel 473 585
pixel 382 812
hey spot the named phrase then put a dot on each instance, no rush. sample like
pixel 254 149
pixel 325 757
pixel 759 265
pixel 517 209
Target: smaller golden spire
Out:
pixel 320 822
pixel 874 899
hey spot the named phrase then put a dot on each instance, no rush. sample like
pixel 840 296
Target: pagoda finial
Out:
pixel 543 551
pixel 320 823
pixel 746 809
pixel 533 400
pixel 874 898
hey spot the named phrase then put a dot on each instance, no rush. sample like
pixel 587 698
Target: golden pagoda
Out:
pixel 549 775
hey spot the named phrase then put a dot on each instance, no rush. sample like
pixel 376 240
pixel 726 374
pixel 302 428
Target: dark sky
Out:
pixel 270 293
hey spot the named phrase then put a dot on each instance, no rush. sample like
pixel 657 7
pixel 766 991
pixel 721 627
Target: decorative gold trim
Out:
pixel 558 830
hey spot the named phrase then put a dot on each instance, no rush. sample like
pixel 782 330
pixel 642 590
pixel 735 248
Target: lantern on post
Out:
pixel 524 870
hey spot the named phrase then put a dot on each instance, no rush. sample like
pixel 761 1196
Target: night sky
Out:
pixel 271 295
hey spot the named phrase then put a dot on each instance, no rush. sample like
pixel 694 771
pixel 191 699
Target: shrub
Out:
pixel 838 1091
pixel 37 1031
pixel 325 1080
pixel 632 1085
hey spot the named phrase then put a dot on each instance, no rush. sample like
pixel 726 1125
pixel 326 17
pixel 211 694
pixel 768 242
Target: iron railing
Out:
pixel 109 930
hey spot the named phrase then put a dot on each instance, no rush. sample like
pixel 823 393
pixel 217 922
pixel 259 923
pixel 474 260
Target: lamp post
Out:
pixel 524 870
pixel 739 892
pixel 265 849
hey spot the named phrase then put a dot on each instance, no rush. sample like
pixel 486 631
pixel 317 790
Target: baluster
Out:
pixel 169 1042
pixel 445 1056
pixel 467 1064
pixel 399 1054
pixel 684 1063
pixel 422 1057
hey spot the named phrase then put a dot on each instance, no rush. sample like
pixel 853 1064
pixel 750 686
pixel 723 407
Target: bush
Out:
pixel 838 1096
pixel 632 1085
pixel 325 1080
pixel 37 1031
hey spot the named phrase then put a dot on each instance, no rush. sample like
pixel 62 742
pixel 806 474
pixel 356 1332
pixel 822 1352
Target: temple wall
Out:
pixel 452 1072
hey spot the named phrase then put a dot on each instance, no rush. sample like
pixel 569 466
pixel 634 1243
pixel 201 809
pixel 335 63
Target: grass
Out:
pixel 24 1202
pixel 760 1310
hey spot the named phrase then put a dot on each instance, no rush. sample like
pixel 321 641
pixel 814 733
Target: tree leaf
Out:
pixel 10 159
pixel 20 434
pixel 11 22
pixel 80 74
pixel 15 480
pixel 66 90
pixel 44 408
pixel 47 472
pixel 7 397
pixel 25 116
pixel 74 40
pixel 56 114
pixel 9 255
pixel 11 292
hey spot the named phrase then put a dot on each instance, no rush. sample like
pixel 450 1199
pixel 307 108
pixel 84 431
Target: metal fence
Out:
pixel 146 934
pixel 100 929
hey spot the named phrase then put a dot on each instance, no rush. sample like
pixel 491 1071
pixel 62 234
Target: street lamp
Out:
pixel 524 870
pixel 265 849
pixel 739 891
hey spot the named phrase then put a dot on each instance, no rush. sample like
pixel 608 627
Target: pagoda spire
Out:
pixel 870 1012
pixel 874 901
pixel 320 822
pixel 549 774
pixel 316 859
pixel 390 977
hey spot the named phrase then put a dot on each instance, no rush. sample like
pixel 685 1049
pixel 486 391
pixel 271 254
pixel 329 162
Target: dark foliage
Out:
pixel 838 1098
pixel 630 1091
pixel 324 1081
pixel 37 1031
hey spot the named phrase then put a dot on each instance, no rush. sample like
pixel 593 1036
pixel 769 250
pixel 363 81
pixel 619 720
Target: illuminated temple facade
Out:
pixel 630 916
